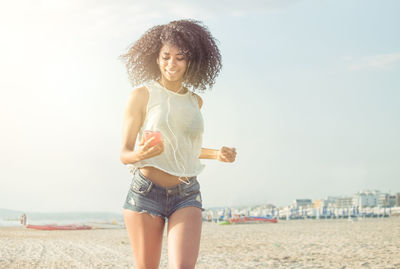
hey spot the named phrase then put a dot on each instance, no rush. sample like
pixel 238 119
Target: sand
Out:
pixel 369 243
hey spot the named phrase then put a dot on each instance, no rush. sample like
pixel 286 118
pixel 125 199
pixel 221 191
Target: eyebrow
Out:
pixel 167 53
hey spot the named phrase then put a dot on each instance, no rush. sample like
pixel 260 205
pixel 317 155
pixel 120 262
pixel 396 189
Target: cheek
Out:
pixel 183 65
pixel 163 66
pixel 163 63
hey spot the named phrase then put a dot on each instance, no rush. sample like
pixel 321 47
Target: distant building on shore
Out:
pixel 321 203
pixel 367 198
pixel 392 200
pixel 386 200
pixel 369 203
pixel 331 201
pixel 302 203
pixel 344 202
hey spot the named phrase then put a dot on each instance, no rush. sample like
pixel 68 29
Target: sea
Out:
pixel 13 218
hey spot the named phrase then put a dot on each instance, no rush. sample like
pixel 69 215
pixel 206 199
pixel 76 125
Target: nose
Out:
pixel 172 61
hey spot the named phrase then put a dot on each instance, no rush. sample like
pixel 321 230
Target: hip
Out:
pixel 147 196
pixel 160 177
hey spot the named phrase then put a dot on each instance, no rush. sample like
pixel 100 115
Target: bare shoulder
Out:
pixel 139 96
pixel 138 99
pixel 199 100
pixel 140 92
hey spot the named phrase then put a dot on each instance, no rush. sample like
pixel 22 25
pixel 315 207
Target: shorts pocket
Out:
pixel 191 189
pixel 140 185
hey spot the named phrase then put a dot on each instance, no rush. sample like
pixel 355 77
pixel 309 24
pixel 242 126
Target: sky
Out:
pixel 308 95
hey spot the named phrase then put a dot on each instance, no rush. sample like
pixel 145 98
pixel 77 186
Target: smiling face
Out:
pixel 172 63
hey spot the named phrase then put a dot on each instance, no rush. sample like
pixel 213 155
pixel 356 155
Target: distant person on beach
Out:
pixel 23 219
pixel 166 65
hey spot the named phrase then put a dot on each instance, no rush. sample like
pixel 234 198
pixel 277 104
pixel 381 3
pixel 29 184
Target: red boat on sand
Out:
pixel 51 227
pixel 251 219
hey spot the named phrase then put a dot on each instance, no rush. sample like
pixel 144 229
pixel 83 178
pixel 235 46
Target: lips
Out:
pixel 171 73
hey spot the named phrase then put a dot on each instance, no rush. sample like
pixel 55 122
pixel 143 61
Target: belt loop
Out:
pixel 132 170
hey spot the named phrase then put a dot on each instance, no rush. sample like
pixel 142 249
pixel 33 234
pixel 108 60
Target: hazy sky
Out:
pixel 308 95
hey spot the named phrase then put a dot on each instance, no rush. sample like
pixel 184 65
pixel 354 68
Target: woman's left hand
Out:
pixel 226 154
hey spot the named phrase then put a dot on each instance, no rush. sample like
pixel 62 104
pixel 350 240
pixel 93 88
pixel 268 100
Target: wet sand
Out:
pixel 369 243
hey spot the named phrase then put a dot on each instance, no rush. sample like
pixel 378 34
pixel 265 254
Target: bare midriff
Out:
pixel 160 177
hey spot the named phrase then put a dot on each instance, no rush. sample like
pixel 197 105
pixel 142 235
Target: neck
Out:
pixel 175 86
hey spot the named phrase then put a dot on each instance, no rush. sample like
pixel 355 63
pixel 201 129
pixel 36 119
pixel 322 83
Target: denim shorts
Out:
pixel 147 197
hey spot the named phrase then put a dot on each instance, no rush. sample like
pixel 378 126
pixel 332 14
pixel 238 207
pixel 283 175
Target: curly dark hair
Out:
pixel 192 38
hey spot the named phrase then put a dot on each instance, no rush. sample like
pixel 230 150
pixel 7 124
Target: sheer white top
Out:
pixel 178 117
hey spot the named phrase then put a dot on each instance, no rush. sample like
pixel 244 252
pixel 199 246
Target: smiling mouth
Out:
pixel 171 72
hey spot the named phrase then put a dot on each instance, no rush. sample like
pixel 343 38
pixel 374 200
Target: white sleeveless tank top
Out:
pixel 178 117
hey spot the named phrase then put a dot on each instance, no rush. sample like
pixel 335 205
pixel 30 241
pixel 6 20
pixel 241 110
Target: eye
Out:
pixel 167 58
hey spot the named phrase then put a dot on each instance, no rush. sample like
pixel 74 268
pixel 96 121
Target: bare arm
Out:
pixel 208 153
pixel 133 120
pixel 224 154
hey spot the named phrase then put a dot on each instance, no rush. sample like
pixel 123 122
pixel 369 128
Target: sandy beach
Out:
pixel 368 243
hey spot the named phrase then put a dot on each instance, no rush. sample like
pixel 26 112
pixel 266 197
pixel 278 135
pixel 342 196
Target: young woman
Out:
pixel 168 60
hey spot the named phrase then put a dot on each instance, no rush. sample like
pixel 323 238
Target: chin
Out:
pixel 177 78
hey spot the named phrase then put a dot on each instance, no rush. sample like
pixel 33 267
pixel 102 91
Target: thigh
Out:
pixel 145 234
pixel 184 231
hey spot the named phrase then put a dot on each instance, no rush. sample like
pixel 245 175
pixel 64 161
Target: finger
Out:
pixel 229 157
pixel 148 142
pixel 159 146
pixel 225 158
pixel 161 143
pixel 228 150
pixel 231 153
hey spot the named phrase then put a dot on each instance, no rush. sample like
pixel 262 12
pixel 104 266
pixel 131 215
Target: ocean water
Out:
pixel 12 218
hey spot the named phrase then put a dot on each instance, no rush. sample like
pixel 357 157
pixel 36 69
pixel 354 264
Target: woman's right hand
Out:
pixel 145 151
